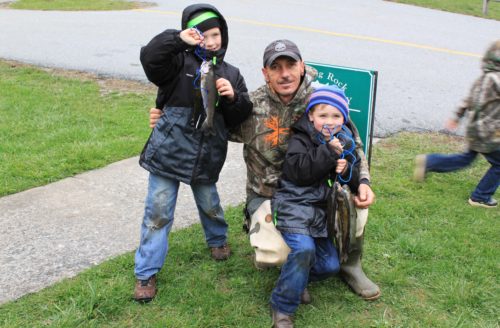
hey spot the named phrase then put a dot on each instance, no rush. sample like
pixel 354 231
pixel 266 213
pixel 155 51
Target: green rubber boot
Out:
pixel 352 272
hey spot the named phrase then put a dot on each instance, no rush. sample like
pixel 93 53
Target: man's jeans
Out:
pixel 447 163
pixel 159 217
pixel 310 259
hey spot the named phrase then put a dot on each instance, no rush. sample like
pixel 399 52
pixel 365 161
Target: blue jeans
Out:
pixel 159 217
pixel 310 259
pixel 447 163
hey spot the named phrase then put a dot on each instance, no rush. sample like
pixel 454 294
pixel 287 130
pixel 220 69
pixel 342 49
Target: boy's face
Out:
pixel 326 119
pixel 212 39
pixel 283 76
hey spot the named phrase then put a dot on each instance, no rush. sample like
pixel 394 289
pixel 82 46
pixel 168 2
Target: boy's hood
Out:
pixel 189 11
pixel 305 126
pixel 491 60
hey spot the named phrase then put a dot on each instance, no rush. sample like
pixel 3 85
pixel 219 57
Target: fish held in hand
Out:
pixel 208 94
pixel 341 219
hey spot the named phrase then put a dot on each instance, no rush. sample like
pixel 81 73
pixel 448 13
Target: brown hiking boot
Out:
pixel 305 298
pixel 145 290
pixel 220 253
pixel 281 320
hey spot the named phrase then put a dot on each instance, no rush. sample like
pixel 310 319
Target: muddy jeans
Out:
pixel 310 259
pixel 159 217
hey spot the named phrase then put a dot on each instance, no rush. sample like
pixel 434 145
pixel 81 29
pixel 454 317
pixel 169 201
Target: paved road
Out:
pixel 426 61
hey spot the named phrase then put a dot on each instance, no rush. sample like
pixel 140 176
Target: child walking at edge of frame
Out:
pixel 482 107
pixel 317 154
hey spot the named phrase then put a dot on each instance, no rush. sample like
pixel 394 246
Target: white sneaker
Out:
pixel 491 203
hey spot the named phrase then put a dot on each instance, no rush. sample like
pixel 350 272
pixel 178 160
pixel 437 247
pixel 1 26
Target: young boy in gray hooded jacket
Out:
pixel 482 133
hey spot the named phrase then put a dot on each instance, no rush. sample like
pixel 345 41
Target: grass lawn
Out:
pixel 434 257
pixel 55 126
pixel 466 7
pixel 77 4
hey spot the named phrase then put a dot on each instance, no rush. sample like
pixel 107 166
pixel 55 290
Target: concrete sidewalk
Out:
pixel 56 231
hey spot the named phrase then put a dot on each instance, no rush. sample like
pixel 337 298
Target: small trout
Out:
pixel 341 219
pixel 208 94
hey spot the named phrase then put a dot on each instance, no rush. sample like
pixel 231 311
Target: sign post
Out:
pixel 360 87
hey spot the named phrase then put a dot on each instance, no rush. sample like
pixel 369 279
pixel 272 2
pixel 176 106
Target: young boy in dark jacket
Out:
pixel 313 160
pixel 179 149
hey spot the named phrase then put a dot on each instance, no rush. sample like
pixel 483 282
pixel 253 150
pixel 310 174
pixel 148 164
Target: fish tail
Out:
pixel 208 128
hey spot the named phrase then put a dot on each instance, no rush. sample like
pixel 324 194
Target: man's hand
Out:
pixel 225 88
pixel 154 116
pixel 365 196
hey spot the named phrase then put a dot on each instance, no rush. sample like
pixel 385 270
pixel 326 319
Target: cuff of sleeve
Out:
pixel 181 45
pixel 230 102
pixel 365 181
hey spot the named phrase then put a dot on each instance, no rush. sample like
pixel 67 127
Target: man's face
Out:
pixel 212 39
pixel 283 76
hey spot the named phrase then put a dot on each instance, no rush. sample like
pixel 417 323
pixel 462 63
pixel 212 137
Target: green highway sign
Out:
pixel 360 87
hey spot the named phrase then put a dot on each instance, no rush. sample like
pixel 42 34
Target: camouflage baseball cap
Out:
pixel 280 48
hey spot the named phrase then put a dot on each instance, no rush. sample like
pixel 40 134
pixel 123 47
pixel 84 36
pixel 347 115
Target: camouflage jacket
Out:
pixel 483 106
pixel 265 136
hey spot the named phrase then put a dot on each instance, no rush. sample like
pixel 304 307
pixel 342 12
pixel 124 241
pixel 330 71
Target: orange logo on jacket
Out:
pixel 277 134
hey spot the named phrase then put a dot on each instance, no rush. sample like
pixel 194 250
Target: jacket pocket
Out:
pixel 162 129
pixel 317 225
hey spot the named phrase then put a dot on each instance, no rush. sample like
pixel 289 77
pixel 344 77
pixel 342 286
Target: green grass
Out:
pixel 466 7
pixel 434 257
pixel 54 127
pixel 76 4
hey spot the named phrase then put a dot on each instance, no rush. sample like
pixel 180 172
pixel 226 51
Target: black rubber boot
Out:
pixel 352 272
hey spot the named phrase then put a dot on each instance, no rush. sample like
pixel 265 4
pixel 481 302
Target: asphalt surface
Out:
pixel 426 61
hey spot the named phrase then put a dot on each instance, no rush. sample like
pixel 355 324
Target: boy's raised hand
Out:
pixel 336 145
pixel 191 36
